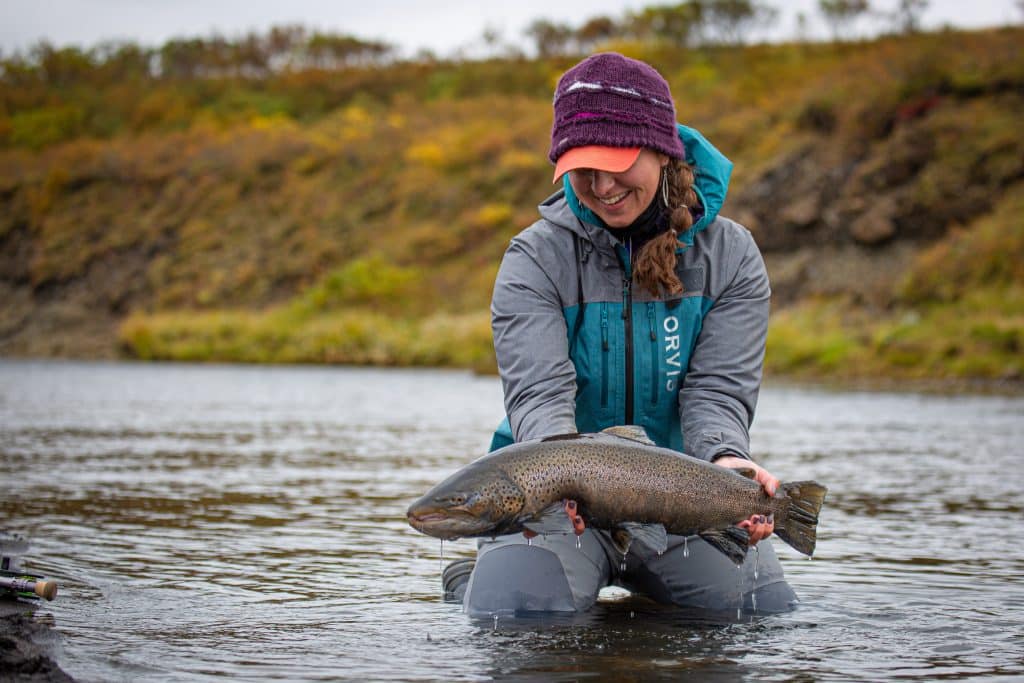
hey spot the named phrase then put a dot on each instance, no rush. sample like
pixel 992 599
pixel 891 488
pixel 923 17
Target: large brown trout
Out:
pixel 619 480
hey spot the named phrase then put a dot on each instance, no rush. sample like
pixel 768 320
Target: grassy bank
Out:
pixel 354 337
pixel 364 313
pixel 957 314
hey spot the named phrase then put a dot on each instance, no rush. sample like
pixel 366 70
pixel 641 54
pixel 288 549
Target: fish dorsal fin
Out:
pixel 562 437
pixel 631 432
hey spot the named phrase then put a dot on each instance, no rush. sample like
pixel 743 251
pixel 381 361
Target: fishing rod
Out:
pixel 15 583
pixel 28 586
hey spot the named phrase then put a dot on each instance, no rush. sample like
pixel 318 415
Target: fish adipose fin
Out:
pixel 631 432
pixel 746 472
pixel 799 527
pixel 630 534
pixel 731 541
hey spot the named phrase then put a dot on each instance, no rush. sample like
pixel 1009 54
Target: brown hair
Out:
pixel 655 267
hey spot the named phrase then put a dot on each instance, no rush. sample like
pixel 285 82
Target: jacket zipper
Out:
pixel 604 356
pixel 654 353
pixel 627 321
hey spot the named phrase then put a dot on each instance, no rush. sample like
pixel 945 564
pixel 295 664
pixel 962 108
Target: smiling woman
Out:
pixel 619 197
pixel 630 302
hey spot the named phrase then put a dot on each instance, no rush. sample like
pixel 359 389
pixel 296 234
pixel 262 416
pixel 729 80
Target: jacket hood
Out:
pixel 711 183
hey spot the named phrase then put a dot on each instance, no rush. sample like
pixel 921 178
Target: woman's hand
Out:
pixel 759 527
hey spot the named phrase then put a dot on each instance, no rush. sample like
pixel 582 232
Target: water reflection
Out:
pixel 248 522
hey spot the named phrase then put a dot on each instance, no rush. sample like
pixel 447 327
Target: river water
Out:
pixel 211 522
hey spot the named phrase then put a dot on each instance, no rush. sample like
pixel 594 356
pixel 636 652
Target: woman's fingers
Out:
pixel 768 482
pixel 758 527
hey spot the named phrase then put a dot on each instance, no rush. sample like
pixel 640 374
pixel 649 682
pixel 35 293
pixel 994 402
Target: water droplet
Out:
pixel 632 614
pixel 441 561
pixel 686 546
pixel 753 601
pixel 757 556
pixel 495 622
pixel 622 566
pixel 529 541
pixel 739 614
pixel 579 543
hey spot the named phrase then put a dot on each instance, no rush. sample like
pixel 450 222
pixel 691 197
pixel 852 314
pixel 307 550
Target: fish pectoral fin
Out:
pixel 631 432
pixel 621 539
pixel 732 541
pixel 550 520
pixel 650 536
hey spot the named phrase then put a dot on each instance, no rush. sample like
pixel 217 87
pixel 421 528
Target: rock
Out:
pixel 876 225
pixel 26 649
pixel 801 213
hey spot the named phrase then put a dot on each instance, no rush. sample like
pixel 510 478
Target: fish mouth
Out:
pixel 448 523
pixel 427 517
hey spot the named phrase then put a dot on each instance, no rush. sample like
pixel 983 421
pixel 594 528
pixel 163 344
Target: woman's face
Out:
pixel 619 198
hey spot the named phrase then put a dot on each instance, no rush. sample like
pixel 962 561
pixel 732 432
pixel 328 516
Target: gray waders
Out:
pixel 553 574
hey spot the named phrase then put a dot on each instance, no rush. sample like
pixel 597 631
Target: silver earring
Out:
pixel 664 187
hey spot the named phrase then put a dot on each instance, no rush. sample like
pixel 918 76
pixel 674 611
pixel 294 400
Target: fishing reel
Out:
pixel 14 583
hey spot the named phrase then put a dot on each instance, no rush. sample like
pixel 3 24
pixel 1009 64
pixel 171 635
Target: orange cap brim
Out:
pixel 610 159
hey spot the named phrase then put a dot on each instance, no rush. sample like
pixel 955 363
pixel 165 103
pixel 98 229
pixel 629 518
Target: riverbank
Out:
pixel 883 181
pixel 27 647
pixel 928 387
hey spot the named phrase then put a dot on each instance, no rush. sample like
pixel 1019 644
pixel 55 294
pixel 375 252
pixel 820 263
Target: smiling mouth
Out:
pixel 611 201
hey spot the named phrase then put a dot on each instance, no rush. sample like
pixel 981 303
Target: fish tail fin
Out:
pixel 799 526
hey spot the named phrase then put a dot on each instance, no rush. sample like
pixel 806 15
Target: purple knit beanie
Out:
pixel 614 101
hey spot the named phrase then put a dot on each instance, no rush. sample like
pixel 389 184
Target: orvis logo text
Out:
pixel 672 358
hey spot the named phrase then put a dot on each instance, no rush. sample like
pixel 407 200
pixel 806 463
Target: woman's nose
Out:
pixel 602 183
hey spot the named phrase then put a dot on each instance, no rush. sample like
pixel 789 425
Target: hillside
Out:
pixel 358 214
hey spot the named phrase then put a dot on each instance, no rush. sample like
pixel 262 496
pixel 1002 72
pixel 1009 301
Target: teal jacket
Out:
pixel 579 350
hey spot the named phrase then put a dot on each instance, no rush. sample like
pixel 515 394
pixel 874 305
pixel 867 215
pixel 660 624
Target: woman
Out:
pixel 629 302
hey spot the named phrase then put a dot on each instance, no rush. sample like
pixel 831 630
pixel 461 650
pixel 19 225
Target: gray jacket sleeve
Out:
pixel 532 347
pixel 719 393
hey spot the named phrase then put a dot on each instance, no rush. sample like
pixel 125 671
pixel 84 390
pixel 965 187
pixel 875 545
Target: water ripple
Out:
pixel 211 522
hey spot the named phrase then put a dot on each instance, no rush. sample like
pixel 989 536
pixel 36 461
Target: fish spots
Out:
pixel 613 480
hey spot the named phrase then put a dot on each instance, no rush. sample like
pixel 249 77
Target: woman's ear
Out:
pixel 663 159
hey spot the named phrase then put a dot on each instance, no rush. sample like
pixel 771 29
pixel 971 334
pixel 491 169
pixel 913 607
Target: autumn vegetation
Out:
pixel 307 198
